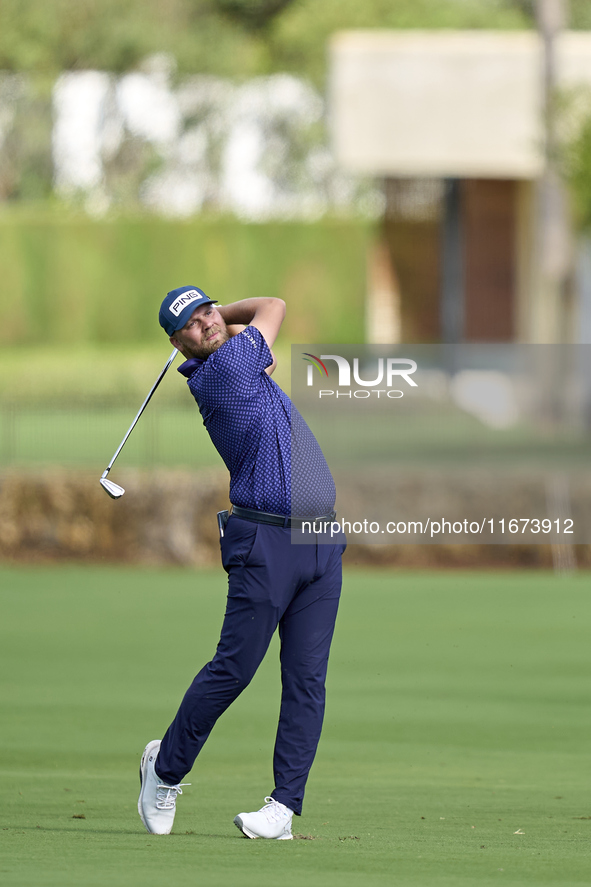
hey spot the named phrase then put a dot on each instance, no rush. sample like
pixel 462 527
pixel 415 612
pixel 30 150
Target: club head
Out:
pixel 113 490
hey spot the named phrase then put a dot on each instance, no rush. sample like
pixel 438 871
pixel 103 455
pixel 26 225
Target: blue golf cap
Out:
pixel 179 305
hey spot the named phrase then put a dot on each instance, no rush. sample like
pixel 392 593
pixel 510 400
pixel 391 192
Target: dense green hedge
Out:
pixel 79 280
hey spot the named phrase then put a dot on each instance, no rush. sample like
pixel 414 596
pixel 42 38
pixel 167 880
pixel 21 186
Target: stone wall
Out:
pixel 169 517
pixel 165 517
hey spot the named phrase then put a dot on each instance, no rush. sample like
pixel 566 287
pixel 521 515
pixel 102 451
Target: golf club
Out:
pixel 113 489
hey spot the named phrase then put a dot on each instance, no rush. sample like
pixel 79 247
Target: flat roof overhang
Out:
pixel 446 103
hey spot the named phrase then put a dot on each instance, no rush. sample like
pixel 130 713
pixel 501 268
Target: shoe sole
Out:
pixel 248 834
pixel 155 743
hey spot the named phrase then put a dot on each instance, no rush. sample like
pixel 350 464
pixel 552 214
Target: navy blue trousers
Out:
pixel 271 583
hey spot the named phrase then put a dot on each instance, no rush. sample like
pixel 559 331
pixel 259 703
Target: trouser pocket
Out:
pixel 237 542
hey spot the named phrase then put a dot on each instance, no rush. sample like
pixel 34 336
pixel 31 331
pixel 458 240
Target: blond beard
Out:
pixel 203 351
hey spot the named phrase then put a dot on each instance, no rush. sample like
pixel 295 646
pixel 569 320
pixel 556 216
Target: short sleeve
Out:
pixel 242 358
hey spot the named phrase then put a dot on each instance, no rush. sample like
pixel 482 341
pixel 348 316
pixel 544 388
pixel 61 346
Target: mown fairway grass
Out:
pixel 455 751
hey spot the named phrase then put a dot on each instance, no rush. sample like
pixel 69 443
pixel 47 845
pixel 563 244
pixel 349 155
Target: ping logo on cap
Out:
pixel 190 296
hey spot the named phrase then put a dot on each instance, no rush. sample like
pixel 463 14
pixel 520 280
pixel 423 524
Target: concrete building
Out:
pixel 453 122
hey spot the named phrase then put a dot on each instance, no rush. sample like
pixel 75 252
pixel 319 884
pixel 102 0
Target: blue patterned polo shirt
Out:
pixel 274 460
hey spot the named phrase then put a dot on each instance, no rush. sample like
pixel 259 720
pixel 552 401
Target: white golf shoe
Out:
pixel 271 821
pixel 157 801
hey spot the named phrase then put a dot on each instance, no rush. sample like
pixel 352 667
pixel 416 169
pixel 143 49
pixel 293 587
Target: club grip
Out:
pixel 222 521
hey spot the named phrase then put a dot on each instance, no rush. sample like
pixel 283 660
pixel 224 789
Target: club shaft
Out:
pixel 141 410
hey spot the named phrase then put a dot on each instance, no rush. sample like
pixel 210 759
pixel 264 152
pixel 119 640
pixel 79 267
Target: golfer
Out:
pixel 278 476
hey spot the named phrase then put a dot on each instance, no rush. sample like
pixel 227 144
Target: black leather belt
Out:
pixel 279 520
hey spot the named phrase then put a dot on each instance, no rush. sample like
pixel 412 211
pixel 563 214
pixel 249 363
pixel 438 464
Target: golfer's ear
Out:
pixel 175 343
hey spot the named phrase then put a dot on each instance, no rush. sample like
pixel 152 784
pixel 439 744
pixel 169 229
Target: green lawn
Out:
pixel 87 436
pixel 72 407
pixel 455 749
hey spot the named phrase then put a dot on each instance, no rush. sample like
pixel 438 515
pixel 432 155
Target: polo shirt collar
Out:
pixel 189 366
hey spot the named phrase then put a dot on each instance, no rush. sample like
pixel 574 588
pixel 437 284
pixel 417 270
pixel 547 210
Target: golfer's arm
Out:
pixel 266 314
pixel 234 328
pixel 271 368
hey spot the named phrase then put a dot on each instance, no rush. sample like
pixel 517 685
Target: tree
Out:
pixel 252 15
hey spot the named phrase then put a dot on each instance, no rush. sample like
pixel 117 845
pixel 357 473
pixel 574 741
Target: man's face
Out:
pixel 202 334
